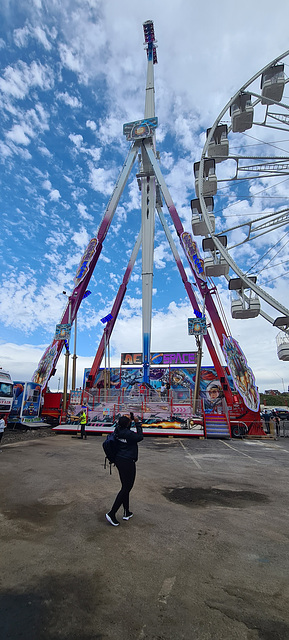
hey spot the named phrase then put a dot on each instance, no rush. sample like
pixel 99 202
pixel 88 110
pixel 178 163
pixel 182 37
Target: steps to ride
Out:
pixel 216 425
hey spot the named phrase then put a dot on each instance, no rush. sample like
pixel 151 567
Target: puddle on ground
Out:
pixel 34 513
pixel 204 497
pixel 161 444
pixel 58 606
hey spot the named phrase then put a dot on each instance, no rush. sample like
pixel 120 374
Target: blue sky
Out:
pixel 72 73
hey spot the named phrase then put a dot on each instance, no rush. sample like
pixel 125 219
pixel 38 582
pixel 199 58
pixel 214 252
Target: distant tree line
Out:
pixel 281 400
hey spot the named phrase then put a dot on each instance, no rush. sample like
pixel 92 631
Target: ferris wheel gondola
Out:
pixel 245 164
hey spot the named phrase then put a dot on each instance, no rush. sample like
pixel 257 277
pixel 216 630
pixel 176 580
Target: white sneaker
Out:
pixel 112 521
pixel 127 515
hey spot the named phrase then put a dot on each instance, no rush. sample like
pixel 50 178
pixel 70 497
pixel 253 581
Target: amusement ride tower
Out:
pixel 244 401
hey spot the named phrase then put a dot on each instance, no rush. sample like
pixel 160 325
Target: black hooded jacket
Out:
pixel 127 442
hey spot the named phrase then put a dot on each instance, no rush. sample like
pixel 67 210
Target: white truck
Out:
pixel 6 394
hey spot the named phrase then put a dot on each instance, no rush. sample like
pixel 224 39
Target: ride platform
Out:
pixel 99 429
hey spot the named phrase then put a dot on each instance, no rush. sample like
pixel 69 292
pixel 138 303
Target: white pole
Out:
pixel 148 229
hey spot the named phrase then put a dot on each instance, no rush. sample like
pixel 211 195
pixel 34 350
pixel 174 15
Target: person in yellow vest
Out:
pixel 83 421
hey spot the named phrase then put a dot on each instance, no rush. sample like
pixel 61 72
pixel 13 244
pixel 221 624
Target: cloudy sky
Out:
pixel 72 73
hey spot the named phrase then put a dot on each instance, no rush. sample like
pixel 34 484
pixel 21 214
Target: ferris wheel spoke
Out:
pixel 259 226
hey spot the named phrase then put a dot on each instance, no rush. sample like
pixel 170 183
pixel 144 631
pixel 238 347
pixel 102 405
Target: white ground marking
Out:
pixel 190 455
pixel 166 589
pixel 266 445
pixel 241 452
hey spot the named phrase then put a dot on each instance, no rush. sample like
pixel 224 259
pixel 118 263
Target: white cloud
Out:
pixel 55 239
pixel 110 130
pixel 70 59
pixel 41 36
pixel 54 195
pixel 82 210
pixel 21 36
pixel 18 135
pixel 104 258
pixel 18 79
pixel 5 151
pixel 91 125
pixel 162 254
pixel 101 180
pixel 21 360
pixel 93 152
pixel 71 101
pixel 44 151
pixel 20 296
pixel 77 139
pixel 47 185
pixel 81 238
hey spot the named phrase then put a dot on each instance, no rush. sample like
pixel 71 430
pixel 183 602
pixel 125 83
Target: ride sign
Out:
pixel 85 261
pixel 62 332
pixel 168 358
pixel 192 253
pixel 140 128
pixel 197 326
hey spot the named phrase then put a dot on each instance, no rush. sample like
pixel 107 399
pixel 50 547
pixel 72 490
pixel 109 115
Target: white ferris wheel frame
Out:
pixel 218 245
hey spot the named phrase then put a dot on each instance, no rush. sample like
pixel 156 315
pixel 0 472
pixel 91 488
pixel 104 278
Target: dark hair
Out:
pixel 124 422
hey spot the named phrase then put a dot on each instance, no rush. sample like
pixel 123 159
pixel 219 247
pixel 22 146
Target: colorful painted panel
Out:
pixel 241 373
pixel 181 380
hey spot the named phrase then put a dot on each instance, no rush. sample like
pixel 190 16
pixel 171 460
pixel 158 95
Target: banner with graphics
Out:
pixel 46 365
pixel 181 381
pixel 26 402
pixel 241 373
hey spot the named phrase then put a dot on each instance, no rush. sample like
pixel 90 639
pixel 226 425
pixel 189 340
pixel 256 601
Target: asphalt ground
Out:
pixel 205 556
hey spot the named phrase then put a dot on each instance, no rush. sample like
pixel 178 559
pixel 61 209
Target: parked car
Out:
pixel 283 414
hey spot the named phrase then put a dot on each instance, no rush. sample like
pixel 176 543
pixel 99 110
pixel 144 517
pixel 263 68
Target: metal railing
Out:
pixel 173 402
pixel 285 427
pixel 137 395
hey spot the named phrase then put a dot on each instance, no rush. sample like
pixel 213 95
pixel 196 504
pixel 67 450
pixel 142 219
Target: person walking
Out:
pixel 168 386
pixel 267 421
pixel 163 389
pixel 83 421
pixel 126 457
pixel 2 427
pixel 277 424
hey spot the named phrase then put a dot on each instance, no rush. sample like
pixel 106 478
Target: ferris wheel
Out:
pixel 241 207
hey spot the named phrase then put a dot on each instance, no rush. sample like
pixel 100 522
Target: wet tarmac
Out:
pixel 205 557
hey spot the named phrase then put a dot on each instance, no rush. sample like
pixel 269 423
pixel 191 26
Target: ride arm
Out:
pixel 189 289
pixel 114 312
pixel 80 288
pixel 203 287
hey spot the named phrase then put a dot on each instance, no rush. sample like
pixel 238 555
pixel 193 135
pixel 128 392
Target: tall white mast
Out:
pixel 148 189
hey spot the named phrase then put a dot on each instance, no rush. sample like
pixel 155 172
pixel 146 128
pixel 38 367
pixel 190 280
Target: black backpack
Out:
pixel 110 447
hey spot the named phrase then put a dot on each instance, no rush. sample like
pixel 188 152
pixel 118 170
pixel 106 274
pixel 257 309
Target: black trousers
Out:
pixel 127 472
pixel 277 425
pixel 82 429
